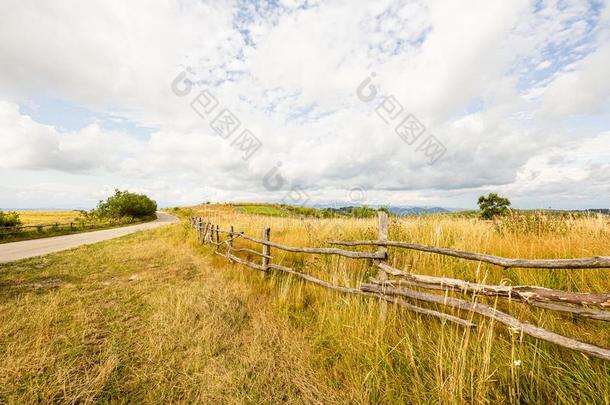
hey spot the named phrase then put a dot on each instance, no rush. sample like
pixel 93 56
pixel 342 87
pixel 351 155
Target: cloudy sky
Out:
pixel 386 102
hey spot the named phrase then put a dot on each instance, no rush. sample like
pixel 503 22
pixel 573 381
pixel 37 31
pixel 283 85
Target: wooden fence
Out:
pixel 400 287
pixel 56 226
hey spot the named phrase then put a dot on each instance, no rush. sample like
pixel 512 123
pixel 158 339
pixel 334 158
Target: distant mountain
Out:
pixel 604 211
pixel 401 211
pixel 548 211
pixel 396 210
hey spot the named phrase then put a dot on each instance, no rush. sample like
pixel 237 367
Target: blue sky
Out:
pixel 513 98
pixel 68 116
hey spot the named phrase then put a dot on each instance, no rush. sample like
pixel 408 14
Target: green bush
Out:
pixel 364 212
pixel 124 204
pixel 9 219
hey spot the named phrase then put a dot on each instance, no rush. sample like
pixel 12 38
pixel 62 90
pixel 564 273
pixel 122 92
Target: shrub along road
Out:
pixel 38 247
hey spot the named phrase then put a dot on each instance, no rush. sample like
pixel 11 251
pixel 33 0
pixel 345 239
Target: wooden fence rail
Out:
pixel 74 225
pixel 595 262
pixel 394 291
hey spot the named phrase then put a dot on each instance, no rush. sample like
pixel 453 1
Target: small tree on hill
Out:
pixel 493 205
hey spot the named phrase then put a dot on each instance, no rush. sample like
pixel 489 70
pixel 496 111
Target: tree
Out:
pixel 124 204
pixel 493 205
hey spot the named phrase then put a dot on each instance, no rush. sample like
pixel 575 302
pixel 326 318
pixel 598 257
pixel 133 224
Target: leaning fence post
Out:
pixel 266 249
pixel 382 236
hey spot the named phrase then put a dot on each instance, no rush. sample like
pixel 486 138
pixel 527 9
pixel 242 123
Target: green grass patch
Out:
pixel 269 210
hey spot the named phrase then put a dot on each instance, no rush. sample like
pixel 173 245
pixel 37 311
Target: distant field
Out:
pixel 47 217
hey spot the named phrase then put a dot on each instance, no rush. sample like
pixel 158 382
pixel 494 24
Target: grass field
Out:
pixel 47 217
pixel 155 317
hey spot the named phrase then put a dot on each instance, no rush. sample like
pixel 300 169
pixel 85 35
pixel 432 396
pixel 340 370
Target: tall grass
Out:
pixel 417 359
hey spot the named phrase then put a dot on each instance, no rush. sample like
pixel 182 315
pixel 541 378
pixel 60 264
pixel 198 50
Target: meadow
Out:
pixel 441 362
pixel 38 217
pixel 156 317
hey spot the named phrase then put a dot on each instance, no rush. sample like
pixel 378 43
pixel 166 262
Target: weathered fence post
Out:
pixel 382 236
pixel 266 250
pixel 209 227
pixel 230 241
pixel 202 227
pixel 217 238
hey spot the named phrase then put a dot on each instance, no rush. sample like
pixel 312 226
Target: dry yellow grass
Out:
pixel 154 317
pixel 47 217
pixel 147 318
pixel 440 361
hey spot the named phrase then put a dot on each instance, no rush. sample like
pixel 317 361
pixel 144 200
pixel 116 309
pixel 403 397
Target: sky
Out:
pixel 408 103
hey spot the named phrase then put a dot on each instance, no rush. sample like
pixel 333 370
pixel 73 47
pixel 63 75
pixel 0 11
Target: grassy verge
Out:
pixel 148 318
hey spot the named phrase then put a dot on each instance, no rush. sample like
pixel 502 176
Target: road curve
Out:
pixel 37 247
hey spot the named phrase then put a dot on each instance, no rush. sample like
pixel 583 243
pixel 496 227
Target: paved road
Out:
pixel 38 247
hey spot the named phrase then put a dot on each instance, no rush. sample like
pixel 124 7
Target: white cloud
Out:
pixel 26 144
pixel 495 82
pixel 583 90
pixel 544 65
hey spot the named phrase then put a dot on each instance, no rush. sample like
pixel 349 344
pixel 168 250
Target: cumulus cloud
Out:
pixel 495 82
pixel 26 144
pixel 583 90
